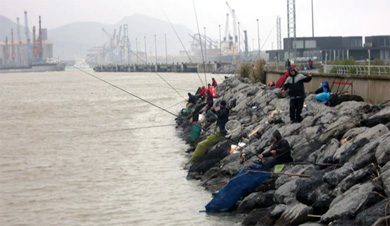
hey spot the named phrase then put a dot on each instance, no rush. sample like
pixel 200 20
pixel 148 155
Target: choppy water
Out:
pixel 70 157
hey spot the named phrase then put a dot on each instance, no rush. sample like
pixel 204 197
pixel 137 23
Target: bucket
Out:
pixel 233 127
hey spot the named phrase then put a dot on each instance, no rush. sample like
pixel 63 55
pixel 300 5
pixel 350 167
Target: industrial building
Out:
pixel 18 53
pixel 332 48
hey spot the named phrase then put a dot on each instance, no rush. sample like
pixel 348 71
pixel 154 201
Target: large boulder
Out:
pixel 349 204
pixel 256 200
pixel 285 194
pixel 336 176
pixel 370 215
pixel 382 117
pixel 338 128
pixel 306 186
pixel 325 153
pixel 385 177
pixel 382 153
pixel 356 177
pixel 210 159
pixel 297 214
pixel 365 155
pixel 353 145
pixel 263 216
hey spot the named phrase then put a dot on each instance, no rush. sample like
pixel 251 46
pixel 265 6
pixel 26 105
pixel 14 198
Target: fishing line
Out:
pixel 177 35
pixel 200 41
pixel 136 128
pixel 126 91
pixel 160 76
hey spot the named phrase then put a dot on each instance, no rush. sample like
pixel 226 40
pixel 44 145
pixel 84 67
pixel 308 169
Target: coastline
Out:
pixel 345 150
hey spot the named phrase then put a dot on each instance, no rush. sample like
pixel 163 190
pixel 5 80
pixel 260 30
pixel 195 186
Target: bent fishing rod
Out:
pixel 117 87
pixel 159 75
pixel 181 42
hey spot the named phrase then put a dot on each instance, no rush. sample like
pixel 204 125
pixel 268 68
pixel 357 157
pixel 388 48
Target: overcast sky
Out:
pixel 331 17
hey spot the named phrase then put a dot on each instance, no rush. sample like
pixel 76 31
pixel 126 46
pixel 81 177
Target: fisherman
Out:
pixel 223 116
pixel 215 84
pixel 296 91
pixel 287 64
pixel 282 80
pixel 212 90
pixel 280 152
pixel 191 100
pixel 210 99
pixel 324 88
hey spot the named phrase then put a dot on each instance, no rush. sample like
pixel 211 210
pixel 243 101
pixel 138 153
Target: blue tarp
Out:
pixel 238 186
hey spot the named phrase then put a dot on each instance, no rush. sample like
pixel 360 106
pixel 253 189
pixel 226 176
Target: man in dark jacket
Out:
pixel 223 117
pixel 296 91
pixel 280 151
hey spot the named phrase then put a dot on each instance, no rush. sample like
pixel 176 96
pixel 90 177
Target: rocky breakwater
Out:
pixel 345 150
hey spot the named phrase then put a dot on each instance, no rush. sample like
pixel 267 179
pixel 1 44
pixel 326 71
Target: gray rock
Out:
pixel 355 177
pixel 256 200
pixel 312 224
pixel 321 198
pixel 353 145
pixel 290 129
pixel 307 186
pixel 285 194
pixel 325 153
pixel 336 176
pixel 338 128
pixel 258 215
pixel 385 177
pixel 382 117
pixel 349 204
pixel 297 214
pixel 365 156
pixel 382 153
pixel 370 215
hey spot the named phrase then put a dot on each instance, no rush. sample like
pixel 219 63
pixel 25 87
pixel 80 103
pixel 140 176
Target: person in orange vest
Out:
pixel 212 90
pixel 215 84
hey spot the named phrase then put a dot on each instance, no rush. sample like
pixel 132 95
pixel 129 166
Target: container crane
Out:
pixel 27 32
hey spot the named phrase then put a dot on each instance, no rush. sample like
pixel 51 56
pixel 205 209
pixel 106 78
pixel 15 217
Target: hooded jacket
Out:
pixel 294 84
pixel 223 118
pixel 282 148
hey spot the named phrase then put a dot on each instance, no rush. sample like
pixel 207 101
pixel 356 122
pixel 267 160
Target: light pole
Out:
pixel 146 54
pixel 312 19
pixel 220 44
pixel 258 37
pixel 136 50
pixel 239 39
pixel 155 47
pixel 166 51
pixel 205 44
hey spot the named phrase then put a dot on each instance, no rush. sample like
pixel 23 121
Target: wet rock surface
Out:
pixel 345 151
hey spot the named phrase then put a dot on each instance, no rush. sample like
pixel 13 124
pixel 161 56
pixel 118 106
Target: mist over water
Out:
pixel 69 155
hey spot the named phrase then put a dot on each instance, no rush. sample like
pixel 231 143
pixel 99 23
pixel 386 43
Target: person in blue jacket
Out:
pixel 296 91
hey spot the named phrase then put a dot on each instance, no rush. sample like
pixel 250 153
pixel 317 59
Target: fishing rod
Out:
pixel 159 76
pixel 177 35
pixel 136 128
pixel 115 86
pixel 200 42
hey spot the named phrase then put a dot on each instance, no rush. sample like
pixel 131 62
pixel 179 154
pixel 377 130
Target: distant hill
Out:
pixel 5 29
pixel 74 39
